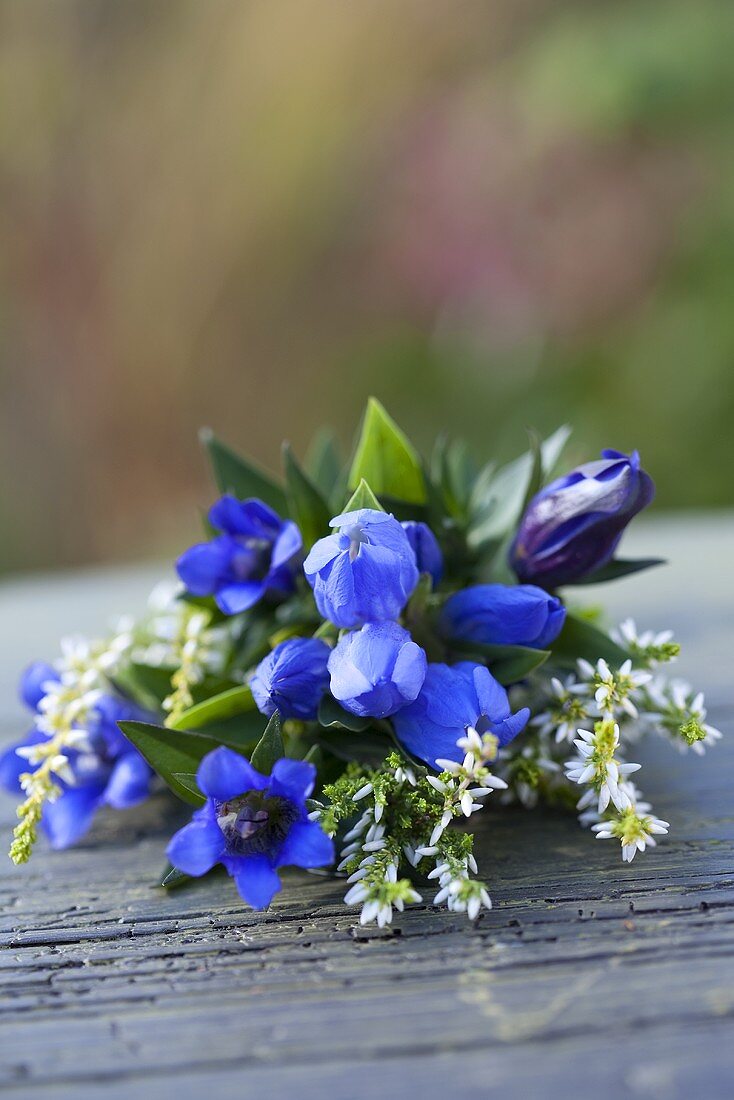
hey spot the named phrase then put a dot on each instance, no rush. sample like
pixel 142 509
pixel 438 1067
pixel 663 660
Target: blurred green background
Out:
pixel 253 214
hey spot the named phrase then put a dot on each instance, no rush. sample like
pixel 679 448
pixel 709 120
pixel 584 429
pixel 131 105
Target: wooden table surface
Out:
pixel 588 976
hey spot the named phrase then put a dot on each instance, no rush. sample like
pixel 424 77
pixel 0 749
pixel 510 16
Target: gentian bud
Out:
pixel 256 553
pixel 572 527
pixel 454 699
pixel 428 556
pixel 292 679
pixel 363 573
pixel 499 614
pixel 377 670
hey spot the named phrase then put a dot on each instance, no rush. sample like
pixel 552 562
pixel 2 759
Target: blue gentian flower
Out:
pixel 363 573
pixel 107 768
pixel 251 823
pixel 572 527
pixel 454 699
pixel 428 556
pixel 377 670
pixel 292 679
pixel 499 614
pixel 257 552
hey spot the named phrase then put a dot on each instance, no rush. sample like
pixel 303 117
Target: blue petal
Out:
pixel 287 545
pixel 13 766
pixel 224 774
pixel 508 729
pixel 129 782
pixel 256 881
pixel 198 846
pixel 32 681
pixel 203 567
pixel 322 552
pixel 292 779
pixel 252 518
pixel 237 597
pixel 306 845
pixel 491 696
pixel 69 817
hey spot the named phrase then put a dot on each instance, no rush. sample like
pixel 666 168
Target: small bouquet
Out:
pixel 354 660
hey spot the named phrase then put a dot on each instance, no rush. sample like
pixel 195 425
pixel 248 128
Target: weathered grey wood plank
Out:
pixel 587 974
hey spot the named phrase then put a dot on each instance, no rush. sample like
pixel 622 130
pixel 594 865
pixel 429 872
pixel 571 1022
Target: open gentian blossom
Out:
pixel 428 556
pixel 454 699
pixel 364 572
pixel 572 527
pixel 292 679
pixel 253 824
pixel 377 670
pixel 102 768
pixel 256 553
pixel 501 614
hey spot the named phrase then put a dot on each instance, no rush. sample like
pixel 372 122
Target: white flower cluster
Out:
pixel 181 638
pixel 374 848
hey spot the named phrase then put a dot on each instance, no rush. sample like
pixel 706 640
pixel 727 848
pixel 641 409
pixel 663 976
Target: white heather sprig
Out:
pixel 64 711
pixel 598 766
pixel 613 691
pixel 650 649
pixel 635 828
pixel 673 707
pixel 566 710
pixel 180 636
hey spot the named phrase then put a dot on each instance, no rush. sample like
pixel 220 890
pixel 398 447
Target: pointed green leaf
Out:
pixel 323 464
pixel 173 752
pixel 227 704
pixel 498 498
pixel 305 503
pixel 363 497
pixel 620 567
pixel 581 639
pixel 172 877
pixel 386 458
pixel 269 748
pixel 234 474
pixel 187 780
pixel 332 714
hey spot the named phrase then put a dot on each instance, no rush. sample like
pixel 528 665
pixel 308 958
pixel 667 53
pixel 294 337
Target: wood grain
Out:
pixel 588 976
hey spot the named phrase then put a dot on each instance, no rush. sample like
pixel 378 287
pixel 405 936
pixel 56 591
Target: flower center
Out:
pixel 356 537
pixel 252 559
pixel 253 824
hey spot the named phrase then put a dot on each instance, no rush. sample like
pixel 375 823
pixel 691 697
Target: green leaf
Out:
pixel 234 474
pixel 386 458
pixel 172 877
pixel 507 663
pixel 363 497
pixel 169 752
pixel 305 503
pixel 323 463
pixel 188 781
pixel 620 567
pixel 581 639
pixel 498 497
pixel 369 747
pixel 227 704
pixel 269 748
pixel 332 714
pixel 177 752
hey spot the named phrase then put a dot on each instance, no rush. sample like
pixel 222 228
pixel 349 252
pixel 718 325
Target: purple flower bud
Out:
pixel 500 614
pixel 363 573
pixel 292 679
pixel 377 670
pixel 428 556
pixel 572 527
